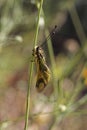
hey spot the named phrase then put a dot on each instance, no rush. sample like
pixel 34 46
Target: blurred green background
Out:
pixel 17 31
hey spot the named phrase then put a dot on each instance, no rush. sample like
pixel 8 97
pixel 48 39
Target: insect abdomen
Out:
pixel 40 84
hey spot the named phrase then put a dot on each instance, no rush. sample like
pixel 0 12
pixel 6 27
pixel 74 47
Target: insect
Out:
pixel 43 71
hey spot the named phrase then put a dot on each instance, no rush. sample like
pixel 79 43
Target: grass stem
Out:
pixel 31 70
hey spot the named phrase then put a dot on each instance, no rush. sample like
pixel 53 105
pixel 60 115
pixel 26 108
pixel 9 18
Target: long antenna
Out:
pixel 52 33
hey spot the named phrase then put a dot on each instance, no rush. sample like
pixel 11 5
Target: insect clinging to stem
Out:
pixel 43 71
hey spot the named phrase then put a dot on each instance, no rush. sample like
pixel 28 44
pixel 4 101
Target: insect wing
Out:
pixel 43 77
pixel 43 72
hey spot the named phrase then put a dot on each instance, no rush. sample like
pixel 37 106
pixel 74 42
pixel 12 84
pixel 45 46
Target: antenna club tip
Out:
pixel 55 26
pixel 54 30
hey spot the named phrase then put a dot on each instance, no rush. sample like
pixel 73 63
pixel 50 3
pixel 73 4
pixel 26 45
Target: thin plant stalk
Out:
pixel 31 70
pixel 52 60
pixel 53 64
pixel 77 24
